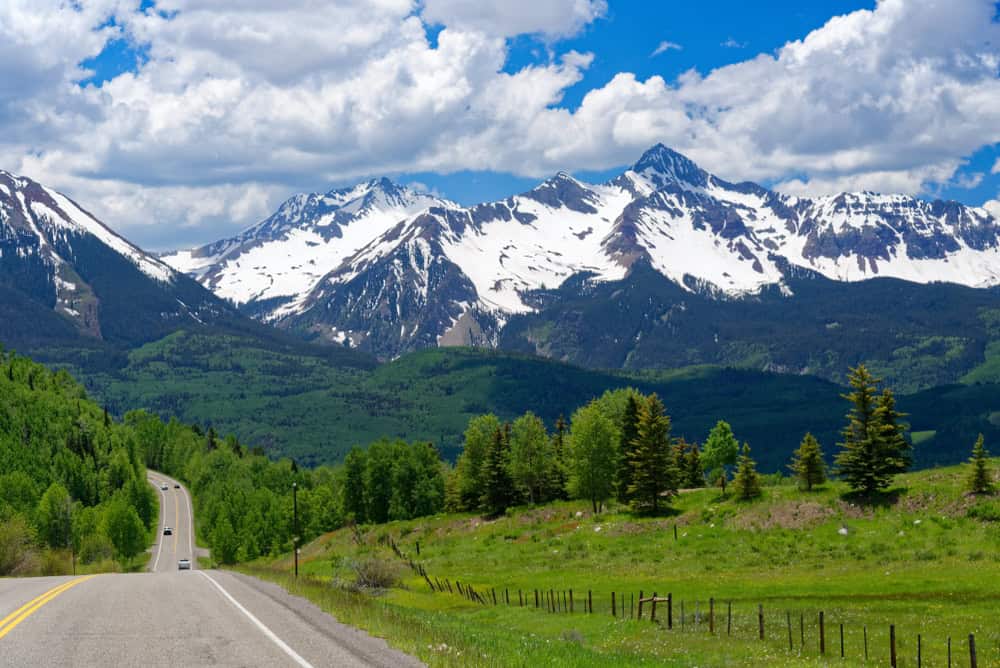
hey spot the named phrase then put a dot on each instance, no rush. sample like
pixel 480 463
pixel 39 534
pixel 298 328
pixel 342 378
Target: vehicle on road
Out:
pixel 164 487
pixel 177 485
pixel 184 565
pixel 167 531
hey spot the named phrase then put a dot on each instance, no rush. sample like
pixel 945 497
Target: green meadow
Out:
pixel 924 558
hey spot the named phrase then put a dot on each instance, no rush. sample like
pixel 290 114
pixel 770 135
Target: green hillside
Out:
pixel 311 404
pixel 923 558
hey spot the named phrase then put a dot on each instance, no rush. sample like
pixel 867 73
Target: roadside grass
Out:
pixel 924 557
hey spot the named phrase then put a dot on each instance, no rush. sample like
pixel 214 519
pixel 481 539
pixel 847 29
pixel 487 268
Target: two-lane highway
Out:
pixel 174 618
pixel 177 513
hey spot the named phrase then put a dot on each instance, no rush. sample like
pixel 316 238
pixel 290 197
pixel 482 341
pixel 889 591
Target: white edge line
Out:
pixel 259 624
pixel 159 540
pixel 187 500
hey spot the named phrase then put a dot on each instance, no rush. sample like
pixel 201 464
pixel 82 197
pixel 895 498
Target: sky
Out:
pixel 178 122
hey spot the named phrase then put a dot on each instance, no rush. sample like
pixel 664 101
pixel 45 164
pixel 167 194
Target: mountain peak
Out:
pixel 661 164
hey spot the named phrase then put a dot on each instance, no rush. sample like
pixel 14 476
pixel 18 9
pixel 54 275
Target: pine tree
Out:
pixel 874 447
pixel 980 478
pixel 354 486
pixel 746 482
pixel 498 488
pixel 626 446
pixel 558 478
pixel 694 472
pixel 653 470
pixel 807 463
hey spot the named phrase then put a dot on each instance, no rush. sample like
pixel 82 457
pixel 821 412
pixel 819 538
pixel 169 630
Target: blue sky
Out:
pixel 179 121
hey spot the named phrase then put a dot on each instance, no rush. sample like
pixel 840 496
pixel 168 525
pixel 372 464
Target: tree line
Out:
pixel 72 482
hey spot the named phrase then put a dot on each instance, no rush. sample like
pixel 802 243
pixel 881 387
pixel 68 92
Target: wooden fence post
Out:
pixel 590 602
pixel 822 634
pixel 631 605
pixel 949 651
pixel 614 611
pixel 571 600
pixel 670 610
pixel 520 598
pixel 711 615
pixel 788 618
pixel 640 605
pixel 760 619
pixel 565 607
pixel 675 532
pixel 652 610
pixel 536 598
pixel 866 642
pixel 841 641
pixel 892 645
pixel 729 618
pixel 506 595
pixel 919 652
pixel 972 651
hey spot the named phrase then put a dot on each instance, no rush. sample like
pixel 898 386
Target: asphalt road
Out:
pixel 167 617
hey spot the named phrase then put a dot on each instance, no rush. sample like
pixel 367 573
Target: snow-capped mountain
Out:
pixel 427 272
pixel 69 269
pixel 280 259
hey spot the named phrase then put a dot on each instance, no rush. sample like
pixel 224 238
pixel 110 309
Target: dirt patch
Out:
pixel 786 515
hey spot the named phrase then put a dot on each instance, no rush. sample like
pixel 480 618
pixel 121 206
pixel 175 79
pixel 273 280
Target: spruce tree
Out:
pixel 630 432
pixel 695 473
pixel 874 448
pixel 558 477
pixel 747 482
pixel 353 501
pixel 980 478
pixel 498 488
pixel 653 471
pixel 808 464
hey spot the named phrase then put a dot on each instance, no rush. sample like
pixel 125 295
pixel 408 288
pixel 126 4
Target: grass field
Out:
pixel 926 559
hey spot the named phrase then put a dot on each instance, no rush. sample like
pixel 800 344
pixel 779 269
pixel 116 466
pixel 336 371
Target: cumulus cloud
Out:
pixel 665 46
pixel 996 167
pixel 993 206
pixel 507 18
pixel 239 104
pixel 731 43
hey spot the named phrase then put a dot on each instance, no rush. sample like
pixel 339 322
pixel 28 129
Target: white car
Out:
pixel 184 565
pixel 164 487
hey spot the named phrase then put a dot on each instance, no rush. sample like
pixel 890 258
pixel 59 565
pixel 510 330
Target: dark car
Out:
pixel 167 531
pixel 177 485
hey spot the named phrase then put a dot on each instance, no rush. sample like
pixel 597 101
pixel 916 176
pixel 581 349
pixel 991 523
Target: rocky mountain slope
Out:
pixel 64 275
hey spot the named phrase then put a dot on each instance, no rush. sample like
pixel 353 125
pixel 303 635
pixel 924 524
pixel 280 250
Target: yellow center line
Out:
pixel 8 623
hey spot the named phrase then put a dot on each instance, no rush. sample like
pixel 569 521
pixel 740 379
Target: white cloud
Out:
pixel 665 46
pixel 731 43
pixel 993 206
pixel 507 18
pixel 240 104
pixel 996 167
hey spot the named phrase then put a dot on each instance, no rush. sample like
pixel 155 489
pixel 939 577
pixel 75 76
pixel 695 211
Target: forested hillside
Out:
pixel 72 482
pixel 302 404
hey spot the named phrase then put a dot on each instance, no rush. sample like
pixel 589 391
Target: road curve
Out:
pixel 174 618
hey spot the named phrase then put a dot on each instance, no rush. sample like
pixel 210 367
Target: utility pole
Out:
pixel 295 528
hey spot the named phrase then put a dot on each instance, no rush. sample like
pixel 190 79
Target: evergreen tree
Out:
pixel 807 463
pixel 746 482
pixel 591 458
pixel 653 472
pixel 980 477
pixel 557 480
pixel 694 471
pixel 498 488
pixel 354 486
pixel 629 435
pixel 874 448
pixel 721 449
